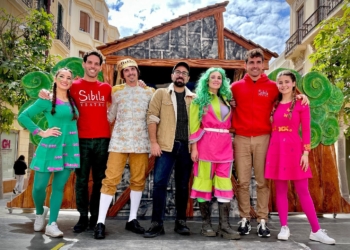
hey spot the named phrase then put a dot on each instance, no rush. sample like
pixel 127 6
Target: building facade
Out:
pixel 305 15
pixel 80 26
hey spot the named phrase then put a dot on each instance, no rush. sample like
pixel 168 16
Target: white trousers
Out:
pixel 19 183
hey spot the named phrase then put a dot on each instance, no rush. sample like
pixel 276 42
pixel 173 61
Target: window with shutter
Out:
pixel 97 30
pixel 84 22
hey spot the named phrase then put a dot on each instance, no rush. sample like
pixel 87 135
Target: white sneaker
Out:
pixel 39 222
pixel 53 231
pixel 284 234
pixel 322 236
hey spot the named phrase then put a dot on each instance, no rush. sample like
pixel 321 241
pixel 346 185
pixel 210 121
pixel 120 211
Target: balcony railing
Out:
pixel 295 39
pixel 62 35
pixel 29 3
pixel 320 14
pixel 316 17
pixel 333 4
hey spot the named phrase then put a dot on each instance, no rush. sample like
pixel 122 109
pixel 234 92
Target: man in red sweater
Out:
pixel 254 95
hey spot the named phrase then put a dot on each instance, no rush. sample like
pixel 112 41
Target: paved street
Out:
pixel 16 232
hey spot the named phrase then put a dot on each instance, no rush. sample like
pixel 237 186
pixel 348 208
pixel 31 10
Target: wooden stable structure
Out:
pixel 200 39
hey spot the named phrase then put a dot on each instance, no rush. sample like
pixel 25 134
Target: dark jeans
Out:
pixel 93 155
pixel 181 159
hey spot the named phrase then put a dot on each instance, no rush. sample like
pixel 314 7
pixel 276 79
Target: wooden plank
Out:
pixel 189 210
pixel 69 189
pixel 108 73
pixel 219 18
pixel 248 46
pixel 160 30
pixel 194 63
pixel 245 43
pixel 28 200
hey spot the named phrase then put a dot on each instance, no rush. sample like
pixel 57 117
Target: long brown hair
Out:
pixel 70 99
pixel 291 108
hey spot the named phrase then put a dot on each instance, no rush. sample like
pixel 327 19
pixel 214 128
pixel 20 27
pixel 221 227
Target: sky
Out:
pixel 265 22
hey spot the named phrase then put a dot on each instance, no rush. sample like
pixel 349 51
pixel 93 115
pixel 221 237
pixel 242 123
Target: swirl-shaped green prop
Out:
pixel 336 100
pixel 72 63
pixel 273 76
pixel 330 130
pixel 35 81
pixel 318 114
pixel 316 134
pixel 317 87
pixel 26 105
pixel 43 124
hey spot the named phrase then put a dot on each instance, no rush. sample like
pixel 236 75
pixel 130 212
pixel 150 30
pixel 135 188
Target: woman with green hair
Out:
pixel 211 149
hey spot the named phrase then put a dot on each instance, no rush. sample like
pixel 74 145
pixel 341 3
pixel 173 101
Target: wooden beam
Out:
pixel 108 73
pixel 247 45
pixel 194 63
pixel 219 18
pixel 159 30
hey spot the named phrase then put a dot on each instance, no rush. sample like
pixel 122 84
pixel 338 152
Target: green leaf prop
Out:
pixel 273 75
pixel 43 124
pixel 330 130
pixel 35 81
pixel 316 134
pixel 318 114
pixel 72 63
pixel 24 107
pixel 336 100
pixel 317 87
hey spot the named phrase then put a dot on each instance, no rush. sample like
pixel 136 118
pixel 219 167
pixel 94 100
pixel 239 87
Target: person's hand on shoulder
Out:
pixel 45 94
pixel 304 99
pixel 233 103
pixel 142 84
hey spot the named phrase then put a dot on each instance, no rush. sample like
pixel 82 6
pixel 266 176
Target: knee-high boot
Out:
pixel 224 229
pixel 207 230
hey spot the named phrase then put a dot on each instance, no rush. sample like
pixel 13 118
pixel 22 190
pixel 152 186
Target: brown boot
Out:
pixel 224 229
pixel 207 230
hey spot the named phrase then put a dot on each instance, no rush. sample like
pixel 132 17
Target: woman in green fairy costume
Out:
pixel 58 151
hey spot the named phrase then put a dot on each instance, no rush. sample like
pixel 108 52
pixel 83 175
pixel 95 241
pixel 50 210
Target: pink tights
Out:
pixel 302 189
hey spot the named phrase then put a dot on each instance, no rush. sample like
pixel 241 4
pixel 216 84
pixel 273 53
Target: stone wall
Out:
pixel 197 40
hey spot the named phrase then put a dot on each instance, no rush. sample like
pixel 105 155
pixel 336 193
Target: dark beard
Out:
pixel 179 84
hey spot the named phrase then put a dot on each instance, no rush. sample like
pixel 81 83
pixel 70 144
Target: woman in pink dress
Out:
pixel 211 149
pixel 287 156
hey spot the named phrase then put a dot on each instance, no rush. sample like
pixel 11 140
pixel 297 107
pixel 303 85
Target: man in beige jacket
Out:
pixel 167 120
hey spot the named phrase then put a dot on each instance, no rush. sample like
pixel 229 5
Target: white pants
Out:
pixel 19 183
